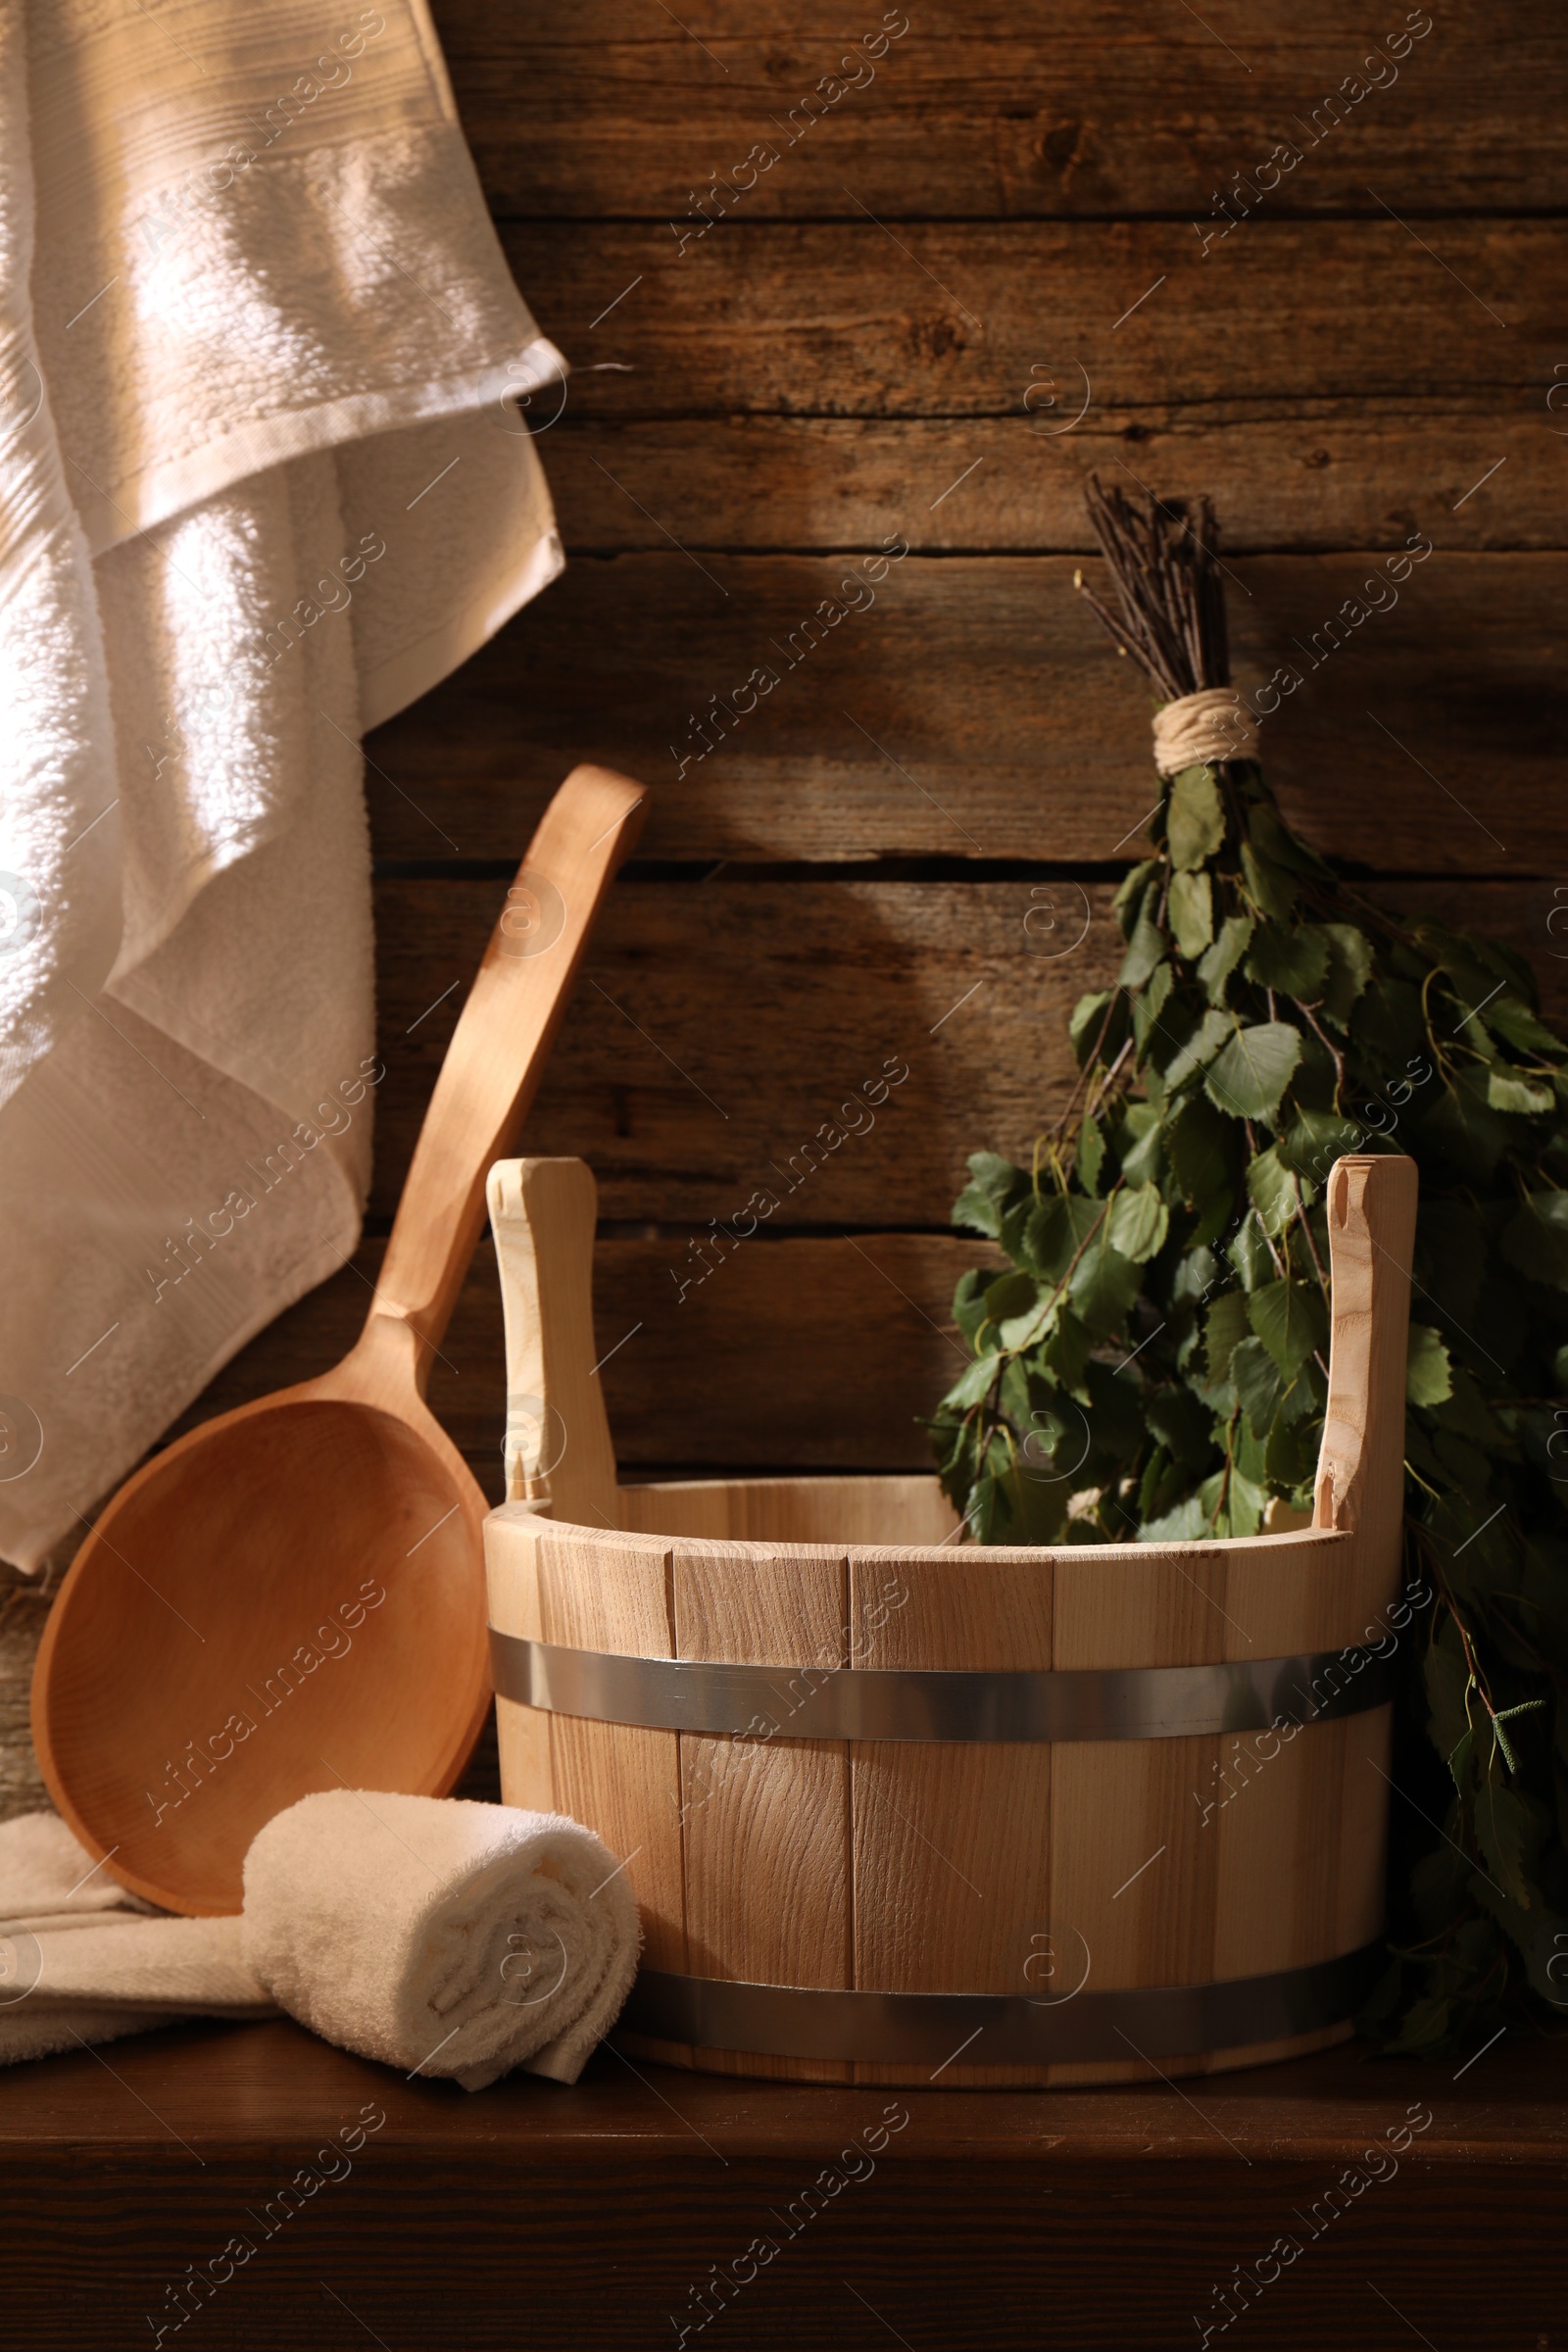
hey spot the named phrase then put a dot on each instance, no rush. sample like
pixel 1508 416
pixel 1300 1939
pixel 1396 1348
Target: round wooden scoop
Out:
pixel 291 1597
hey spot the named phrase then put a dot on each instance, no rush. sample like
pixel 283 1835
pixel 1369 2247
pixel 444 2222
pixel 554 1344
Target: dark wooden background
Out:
pixel 888 338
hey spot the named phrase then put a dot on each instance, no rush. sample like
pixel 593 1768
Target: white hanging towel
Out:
pixel 264 480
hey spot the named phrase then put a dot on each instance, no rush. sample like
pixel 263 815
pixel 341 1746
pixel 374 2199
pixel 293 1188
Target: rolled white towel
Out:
pixel 439 1936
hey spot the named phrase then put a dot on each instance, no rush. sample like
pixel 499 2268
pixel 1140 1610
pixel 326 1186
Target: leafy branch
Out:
pixel 1151 1362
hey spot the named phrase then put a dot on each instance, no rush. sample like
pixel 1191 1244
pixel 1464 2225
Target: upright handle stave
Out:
pixel 559 1451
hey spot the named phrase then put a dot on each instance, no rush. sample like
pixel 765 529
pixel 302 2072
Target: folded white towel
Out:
pixel 441 1936
pixel 260 486
pixel 83 1961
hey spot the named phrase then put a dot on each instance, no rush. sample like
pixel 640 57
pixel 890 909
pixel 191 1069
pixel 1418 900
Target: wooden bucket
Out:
pixel 900 1813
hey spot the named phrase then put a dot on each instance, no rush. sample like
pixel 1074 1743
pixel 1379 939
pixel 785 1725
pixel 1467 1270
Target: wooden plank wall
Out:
pixel 1017 246
pixel 904 284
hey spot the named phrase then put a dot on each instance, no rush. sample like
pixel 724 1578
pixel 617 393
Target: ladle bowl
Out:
pixel 291 1596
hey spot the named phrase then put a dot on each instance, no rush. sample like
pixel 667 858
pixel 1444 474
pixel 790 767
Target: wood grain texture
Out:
pixel 558 1452
pixel 523 1753
pixel 1083 109
pixel 767 1880
pixel 712 1054
pixel 1118 2210
pixel 1425 740
pixel 835 319
pixel 1371 1224
pixel 614 1595
pixel 952 1853
pixel 1316 475
pixel 693 1386
pixel 803 1510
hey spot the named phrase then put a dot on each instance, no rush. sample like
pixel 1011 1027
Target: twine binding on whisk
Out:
pixel 1214 723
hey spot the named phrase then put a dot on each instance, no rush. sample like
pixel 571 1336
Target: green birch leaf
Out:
pixel 1200 1047
pixel 1125 902
pixel 1016 1226
pixel 1271 892
pixel 971 1386
pixel 1510 1090
pixel 1292 962
pixel 1046 1242
pixel 1063 1353
pixel 1198 1144
pixel 1139 1223
pixel 1186 1523
pixel 1274 840
pixel 1091 1156
pixel 1230 946
pixel 1012 1394
pixel 1227 1325
pixel 1036 1507
pixel 987 1512
pixel 1246 1499
pixel 1350 970
pixel 1314 1141
pixel 969 1302
pixel 1150 1002
pixel 1306 1397
pixel 1011 1295
pixel 1275 1193
pixel 1248 1077
pixel 1257 1383
pixel 1195 818
pixel 1192 914
pixel 1248 1451
pixel 1145 949
pixel 994 1184
pixel 1142 1144
pixel 1088 1015
pixel 1428 1373
pixel 1518 1027
pixel 1248 1253
pixel 1291 1321
pixel 1159 1474
pixel 1290 1456
pixel 1104 1286
pixel 1053 1233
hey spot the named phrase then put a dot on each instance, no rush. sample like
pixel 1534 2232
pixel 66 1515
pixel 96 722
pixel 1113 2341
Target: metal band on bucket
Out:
pixel 1164 2020
pixel 852 1703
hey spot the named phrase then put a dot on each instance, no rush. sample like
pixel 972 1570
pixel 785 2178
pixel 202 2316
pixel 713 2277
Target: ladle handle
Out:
pixel 558 1452
pixel 501 1045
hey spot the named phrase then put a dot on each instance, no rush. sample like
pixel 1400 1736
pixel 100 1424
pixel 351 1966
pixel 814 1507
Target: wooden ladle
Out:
pixel 291 1597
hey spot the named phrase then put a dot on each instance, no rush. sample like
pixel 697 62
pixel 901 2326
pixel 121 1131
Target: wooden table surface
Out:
pixel 540 2215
